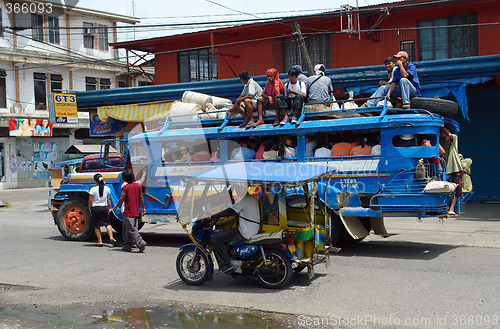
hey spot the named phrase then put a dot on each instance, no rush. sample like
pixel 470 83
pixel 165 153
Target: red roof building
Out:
pixel 427 30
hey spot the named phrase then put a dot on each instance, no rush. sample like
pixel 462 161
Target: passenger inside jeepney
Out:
pixel 243 152
pixel 201 153
pixel 287 148
pixel 185 155
pixel 346 144
pixel 364 147
pixel 270 149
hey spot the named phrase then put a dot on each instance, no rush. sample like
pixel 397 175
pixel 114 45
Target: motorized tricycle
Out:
pixel 294 226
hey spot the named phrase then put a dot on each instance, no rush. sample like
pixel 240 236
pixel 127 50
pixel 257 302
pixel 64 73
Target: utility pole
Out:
pixel 308 66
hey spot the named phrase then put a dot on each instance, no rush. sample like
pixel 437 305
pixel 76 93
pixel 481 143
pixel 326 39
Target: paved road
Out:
pixel 430 273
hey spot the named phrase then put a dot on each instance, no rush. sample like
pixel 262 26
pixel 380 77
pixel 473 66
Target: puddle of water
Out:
pixel 139 318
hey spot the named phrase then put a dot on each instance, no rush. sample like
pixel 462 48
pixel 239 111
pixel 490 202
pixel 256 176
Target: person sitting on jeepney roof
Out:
pixel 301 77
pixel 404 82
pixel 185 155
pixel 249 101
pixel 346 144
pixel 390 66
pixel 243 152
pixel 364 148
pixel 286 149
pixel 247 207
pixel 319 89
pixel 292 99
pixel 272 90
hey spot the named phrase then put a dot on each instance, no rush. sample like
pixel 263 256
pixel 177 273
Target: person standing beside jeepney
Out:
pixel 448 148
pixel 132 196
pixel 99 205
pixel 404 82
pixel 249 100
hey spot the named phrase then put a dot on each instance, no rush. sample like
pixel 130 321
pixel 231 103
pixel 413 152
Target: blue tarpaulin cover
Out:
pixel 256 173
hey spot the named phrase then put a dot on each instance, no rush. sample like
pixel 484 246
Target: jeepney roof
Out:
pixel 265 173
pixel 306 127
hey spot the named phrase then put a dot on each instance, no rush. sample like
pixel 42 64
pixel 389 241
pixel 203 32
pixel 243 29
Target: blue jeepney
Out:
pixel 365 189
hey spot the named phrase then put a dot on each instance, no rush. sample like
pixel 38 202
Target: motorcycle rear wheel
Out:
pixel 277 272
pixel 192 266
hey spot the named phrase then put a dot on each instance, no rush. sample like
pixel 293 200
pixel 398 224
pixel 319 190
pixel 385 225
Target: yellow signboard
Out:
pixel 65 105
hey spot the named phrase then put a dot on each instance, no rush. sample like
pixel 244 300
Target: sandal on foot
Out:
pixel 114 243
pixel 99 245
pixel 243 125
pixel 249 125
pixel 276 123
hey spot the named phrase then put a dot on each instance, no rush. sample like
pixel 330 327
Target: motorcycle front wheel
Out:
pixel 192 266
pixel 276 272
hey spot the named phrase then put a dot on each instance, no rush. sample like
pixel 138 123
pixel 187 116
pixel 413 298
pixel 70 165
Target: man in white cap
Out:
pixel 319 90
pixel 404 82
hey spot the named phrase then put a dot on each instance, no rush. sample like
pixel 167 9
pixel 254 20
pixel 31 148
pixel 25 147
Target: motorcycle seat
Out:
pixel 266 238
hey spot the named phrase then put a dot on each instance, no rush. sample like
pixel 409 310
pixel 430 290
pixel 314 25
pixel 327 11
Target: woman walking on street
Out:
pixel 99 204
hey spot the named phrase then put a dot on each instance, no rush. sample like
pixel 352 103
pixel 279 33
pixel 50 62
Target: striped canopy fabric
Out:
pixel 138 112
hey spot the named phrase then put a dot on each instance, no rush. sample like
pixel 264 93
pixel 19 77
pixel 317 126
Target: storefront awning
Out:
pixel 87 149
pixel 138 112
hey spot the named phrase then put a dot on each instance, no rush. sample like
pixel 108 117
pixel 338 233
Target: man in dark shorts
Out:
pixel 448 148
pixel 132 196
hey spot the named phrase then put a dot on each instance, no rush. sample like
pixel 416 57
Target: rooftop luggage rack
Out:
pixel 380 111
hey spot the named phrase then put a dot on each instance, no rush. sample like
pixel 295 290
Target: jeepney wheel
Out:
pixel 192 266
pixel 74 220
pixel 276 272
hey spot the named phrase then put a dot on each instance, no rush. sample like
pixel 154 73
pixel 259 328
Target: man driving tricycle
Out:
pixel 281 226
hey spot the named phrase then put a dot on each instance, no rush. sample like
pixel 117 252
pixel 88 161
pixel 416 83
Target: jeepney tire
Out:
pixel 337 228
pixel 440 106
pixel 74 220
pixel 116 224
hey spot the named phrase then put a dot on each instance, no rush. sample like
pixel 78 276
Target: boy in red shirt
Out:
pixel 132 195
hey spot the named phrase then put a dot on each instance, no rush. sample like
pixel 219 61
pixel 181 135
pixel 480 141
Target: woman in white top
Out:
pixel 286 149
pixel 99 205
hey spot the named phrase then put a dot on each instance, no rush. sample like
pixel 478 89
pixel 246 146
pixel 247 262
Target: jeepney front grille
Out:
pixel 412 211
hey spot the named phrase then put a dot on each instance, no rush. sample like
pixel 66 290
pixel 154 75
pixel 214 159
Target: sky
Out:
pixel 186 11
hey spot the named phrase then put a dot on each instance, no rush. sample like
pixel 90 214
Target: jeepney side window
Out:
pixel 410 140
pixel 139 159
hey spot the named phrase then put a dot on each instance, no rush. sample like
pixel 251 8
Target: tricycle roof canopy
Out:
pixel 266 173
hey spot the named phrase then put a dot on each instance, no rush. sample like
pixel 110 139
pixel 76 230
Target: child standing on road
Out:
pixel 99 204
pixel 132 196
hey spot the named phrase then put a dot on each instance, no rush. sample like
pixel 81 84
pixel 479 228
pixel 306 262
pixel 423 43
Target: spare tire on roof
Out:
pixel 440 106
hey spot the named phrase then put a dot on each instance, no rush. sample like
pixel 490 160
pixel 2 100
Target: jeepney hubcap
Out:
pixel 75 220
